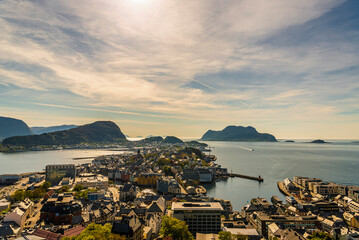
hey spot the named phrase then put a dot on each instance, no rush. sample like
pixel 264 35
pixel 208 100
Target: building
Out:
pixel 20 213
pixel 4 204
pixel 205 175
pixel 55 173
pixel 168 185
pixel 353 206
pixel 92 181
pixel 36 178
pixel 260 221
pixel 353 193
pixel 326 188
pixel 130 227
pixel 147 179
pixel 128 192
pixel 201 217
pixel 61 209
pixel 9 178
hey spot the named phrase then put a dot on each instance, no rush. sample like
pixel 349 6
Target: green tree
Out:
pixel 97 232
pixel 64 189
pixel 38 193
pixel 175 228
pixel 320 236
pixel 224 235
pixel 46 185
pixel 28 194
pixel 19 195
pixel 228 236
pixel 78 187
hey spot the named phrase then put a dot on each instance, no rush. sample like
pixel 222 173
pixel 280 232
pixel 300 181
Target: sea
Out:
pixel 337 162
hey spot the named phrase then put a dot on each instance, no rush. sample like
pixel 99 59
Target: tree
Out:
pixel 38 193
pixel 46 185
pixel 97 231
pixel 28 194
pixel 175 228
pixel 78 187
pixel 228 236
pixel 64 189
pixel 19 195
pixel 224 235
pixel 320 236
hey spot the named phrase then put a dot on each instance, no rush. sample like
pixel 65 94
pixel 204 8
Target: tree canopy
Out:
pixel 175 228
pixel 97 232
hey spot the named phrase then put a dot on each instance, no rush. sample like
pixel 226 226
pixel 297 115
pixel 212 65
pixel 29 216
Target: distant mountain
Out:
pixel 172 140
pixel 13 127
pixel 238 133
pixel 152 139
pixel 101 131
pixel 41 130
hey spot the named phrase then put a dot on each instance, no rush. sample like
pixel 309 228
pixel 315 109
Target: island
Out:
pixel 238 133
pixel 319 141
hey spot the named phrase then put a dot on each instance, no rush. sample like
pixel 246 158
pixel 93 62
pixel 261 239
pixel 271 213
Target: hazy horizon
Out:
pixel 163 67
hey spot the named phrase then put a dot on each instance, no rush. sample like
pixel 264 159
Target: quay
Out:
pixel 259 178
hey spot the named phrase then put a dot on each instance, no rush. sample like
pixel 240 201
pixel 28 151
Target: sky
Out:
pixel 181 67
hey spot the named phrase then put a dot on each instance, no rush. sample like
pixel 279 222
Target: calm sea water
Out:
pixel 37 160
pixel 337 162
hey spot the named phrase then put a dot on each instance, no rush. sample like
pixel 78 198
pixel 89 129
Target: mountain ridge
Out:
pixel 100 131
pixel 10 127
pixel 41 130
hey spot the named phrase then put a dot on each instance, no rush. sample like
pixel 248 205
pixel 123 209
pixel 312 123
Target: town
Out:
pixel 155 192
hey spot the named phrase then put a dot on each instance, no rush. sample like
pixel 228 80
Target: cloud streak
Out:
pixel 185 61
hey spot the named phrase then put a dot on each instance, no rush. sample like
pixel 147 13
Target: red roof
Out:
pixel 46 234
pixel 74 231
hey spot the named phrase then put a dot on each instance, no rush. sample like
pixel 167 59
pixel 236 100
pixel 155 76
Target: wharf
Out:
pixel 259 179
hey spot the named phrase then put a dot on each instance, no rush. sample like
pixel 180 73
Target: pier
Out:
pixel 259 178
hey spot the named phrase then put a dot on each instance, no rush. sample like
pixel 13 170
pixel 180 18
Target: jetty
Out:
pixel 259 178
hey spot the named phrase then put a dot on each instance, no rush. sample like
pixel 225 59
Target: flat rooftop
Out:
pixel 199 206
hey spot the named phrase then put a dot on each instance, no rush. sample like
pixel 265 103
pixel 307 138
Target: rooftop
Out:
pixel 178 206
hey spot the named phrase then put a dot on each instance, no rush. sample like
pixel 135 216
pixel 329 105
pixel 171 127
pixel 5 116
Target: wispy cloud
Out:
pixel 209 61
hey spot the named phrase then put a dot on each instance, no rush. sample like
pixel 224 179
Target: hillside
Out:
pixel 41 130
pixel 13 127
pixel 238 133
pixel 101 131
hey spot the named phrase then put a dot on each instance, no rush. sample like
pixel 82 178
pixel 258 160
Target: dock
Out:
pixel 259 178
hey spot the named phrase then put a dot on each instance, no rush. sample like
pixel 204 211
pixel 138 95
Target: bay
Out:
pixel 34 161
pixel 274 161
pixel 337 162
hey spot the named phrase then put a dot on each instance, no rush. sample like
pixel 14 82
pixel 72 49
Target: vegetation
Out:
pixel 64 189
pixel 46 185
pixel 83 194
pixel 163 161
pixel 228 236
pixel 101 131
pixel 175 228
pixel 78 187
pixel 35 194
pixel 320 236
pixel 97 232
pixel 167 170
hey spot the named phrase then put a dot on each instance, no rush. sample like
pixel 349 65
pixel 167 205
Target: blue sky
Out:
pixel 165 67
